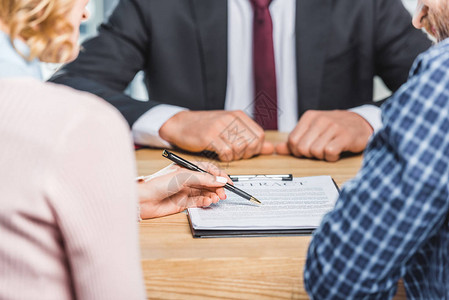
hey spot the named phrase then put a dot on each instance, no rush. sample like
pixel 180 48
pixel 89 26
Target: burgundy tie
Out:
pixel 265 105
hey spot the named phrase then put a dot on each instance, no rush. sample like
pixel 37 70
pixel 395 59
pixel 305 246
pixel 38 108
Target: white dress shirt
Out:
pixel 240 81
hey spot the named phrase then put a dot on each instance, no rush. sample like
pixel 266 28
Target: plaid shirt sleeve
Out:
pixel 399 199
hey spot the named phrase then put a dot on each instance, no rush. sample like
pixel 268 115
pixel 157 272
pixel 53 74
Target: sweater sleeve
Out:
pixel 92 191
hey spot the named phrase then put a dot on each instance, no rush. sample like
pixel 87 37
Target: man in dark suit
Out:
pixel 212 66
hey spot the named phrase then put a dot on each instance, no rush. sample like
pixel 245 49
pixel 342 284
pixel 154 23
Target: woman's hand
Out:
pixel 173 189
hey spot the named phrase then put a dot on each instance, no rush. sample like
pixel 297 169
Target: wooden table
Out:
pixel 176 266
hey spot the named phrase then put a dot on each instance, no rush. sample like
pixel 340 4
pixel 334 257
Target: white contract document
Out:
pixel 297 204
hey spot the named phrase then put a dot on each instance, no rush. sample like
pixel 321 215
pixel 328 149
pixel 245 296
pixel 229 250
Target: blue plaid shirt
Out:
pixel 392 220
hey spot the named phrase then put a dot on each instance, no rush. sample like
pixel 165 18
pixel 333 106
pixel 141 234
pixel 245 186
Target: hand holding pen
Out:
pixel 174 188
pixel 188 165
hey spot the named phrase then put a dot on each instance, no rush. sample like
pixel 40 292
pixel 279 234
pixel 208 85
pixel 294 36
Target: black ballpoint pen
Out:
pixel 188 165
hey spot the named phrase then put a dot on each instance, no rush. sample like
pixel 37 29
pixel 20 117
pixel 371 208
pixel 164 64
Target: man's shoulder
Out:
pixel 436 58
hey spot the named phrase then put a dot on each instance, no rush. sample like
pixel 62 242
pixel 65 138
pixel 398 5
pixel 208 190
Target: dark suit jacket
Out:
pixel 182 47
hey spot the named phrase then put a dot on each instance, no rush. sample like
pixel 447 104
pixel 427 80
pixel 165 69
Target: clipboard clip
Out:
pixel 282 177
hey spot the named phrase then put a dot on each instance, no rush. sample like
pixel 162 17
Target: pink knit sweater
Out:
pixel 68 202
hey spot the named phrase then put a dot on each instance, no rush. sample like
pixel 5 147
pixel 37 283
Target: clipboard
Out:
pixel 253 232
pixel 198 233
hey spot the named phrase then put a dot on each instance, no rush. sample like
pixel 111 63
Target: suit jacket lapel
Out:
pixel 312 28
pixel 211 17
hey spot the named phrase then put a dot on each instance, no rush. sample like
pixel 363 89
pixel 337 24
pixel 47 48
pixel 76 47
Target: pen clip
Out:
pixel 283 177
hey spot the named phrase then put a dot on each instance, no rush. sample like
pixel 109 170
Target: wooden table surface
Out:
pixel 176 266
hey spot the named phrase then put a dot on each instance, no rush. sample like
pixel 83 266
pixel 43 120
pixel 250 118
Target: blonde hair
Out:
pixel 44 26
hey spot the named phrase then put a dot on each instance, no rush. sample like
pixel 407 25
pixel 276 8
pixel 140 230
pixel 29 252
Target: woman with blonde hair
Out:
pixel 68 197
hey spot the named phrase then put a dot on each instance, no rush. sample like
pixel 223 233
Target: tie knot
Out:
pixel 261 3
